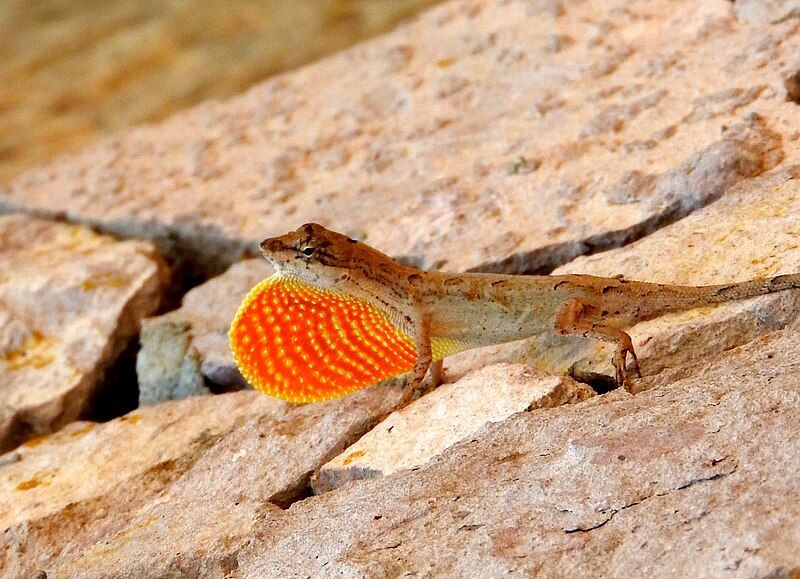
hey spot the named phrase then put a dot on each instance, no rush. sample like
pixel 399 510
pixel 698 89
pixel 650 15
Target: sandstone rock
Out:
pixel 187 348
pixel 72 73
pixel 760 11
pixel 70 302
pixel 692 479
pixel 171 488
pixel 412 436
pixel 86 461
pixel 464 139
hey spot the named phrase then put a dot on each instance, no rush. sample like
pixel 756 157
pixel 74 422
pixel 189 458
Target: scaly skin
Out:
pixel 339 315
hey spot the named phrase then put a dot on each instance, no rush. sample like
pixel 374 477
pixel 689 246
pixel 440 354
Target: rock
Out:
pixel 70 302
pixel 89 72
pixel 414 435
pixel 167 365
pixel 761 11
pixel 187 348
pixel 90 463
pixel 461 140
pixel 106 499
pixel 691 479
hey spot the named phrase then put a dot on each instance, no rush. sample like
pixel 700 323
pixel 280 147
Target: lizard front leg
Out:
pixel 576 318
pixel 422 343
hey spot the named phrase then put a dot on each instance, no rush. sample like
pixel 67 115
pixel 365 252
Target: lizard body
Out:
pixel 387 319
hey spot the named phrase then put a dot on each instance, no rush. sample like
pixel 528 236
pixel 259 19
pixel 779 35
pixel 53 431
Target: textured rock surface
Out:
pixel 171 488
pixel 87 461
pixel 503 135
pixel 693 478
pixel 73 72
pixel 453 412
pixel 70 301
pixel 186 349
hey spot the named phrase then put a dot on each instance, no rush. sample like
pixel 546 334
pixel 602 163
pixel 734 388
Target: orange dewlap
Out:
pixel 303 344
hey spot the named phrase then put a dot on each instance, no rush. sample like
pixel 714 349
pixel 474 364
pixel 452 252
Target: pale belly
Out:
pixel 457 324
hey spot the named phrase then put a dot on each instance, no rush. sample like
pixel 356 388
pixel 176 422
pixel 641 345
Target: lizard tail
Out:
pixel 748 289
pixel 679 298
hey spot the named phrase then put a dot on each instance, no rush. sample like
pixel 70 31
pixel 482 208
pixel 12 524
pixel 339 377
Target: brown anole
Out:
pixel 339 315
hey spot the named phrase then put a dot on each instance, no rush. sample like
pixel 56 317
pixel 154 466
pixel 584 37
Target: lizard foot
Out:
pixel 578 318
pixel 620 365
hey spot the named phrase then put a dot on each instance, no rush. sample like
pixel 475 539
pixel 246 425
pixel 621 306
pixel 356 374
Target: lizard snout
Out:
pixel 271 245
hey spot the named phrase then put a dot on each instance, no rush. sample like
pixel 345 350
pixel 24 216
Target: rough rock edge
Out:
pixel 144 302
pixel 543 391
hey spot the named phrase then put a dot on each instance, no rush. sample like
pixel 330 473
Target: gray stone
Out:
pixel 167 365
pixel 187 349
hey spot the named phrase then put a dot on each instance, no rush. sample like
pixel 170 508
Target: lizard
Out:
pixel 339 315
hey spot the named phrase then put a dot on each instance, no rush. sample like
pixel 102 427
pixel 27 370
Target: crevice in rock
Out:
pixel 194 252
pixel 198 250
pixel 600 383
pixel 747 150
pixel 792 85
pixel 118 391
pixel 611 513
pixel 298 492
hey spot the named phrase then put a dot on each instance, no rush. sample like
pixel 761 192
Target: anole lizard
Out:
pixel 339 315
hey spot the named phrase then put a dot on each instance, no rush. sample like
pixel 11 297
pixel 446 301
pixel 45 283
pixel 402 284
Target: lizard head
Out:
pixel 316 254
pixel 309 333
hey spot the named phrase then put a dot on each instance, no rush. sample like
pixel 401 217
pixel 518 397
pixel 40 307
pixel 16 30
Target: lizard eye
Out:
pixel 308 250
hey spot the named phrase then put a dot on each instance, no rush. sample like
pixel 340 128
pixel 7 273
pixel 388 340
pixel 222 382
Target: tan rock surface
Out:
pixel 694 477
pixel 86 460
pixel 73 72
pixel 188 347
pixel 70 302
pixel 502 135
pixel 170 488
pixel 414 435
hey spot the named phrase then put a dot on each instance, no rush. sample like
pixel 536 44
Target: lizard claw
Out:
pixel 620 365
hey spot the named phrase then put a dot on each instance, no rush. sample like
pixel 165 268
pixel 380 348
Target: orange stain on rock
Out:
pixel 304 344
pixel 31 484
pixel 353 455
pixel 35 441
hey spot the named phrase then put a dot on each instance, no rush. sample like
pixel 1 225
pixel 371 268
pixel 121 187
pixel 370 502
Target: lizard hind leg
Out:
pixel 576 319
